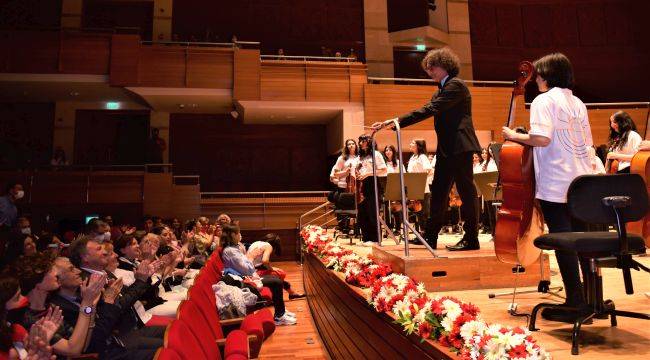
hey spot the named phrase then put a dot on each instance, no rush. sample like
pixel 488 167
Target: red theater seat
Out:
pixel 166 354
pixel 180 339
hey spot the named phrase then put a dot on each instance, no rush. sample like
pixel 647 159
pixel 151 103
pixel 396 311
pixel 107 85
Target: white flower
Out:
pixel 421 288
pixel 452 309
pixel 403 307
pixel 420 317
pixel 494 351
pixel 447 323
pixel 471 329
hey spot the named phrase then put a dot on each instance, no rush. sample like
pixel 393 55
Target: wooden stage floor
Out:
pixel 630 340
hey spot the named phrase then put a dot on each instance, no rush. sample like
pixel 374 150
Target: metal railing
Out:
pixel 308 58
pixel 92 168
pixel 376 80
pixel 637 104
pixel 230 45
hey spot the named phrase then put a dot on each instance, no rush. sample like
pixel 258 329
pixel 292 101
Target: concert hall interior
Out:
pixel 341 179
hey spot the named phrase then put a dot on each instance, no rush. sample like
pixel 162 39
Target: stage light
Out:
pixel 111 105
pixel 420 47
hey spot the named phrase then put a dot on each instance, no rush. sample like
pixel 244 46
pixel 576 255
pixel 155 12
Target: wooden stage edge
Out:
pixel 464 270
pixel 350 328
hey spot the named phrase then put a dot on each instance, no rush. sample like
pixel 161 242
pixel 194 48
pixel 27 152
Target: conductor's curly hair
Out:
pixel 444 58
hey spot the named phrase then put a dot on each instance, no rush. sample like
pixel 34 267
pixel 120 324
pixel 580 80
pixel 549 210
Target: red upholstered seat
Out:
pixel 236 345
pixel 252 326
pixel 266 319
pixel 198 326
pixel 166 354
pixel 157 320
pixel 180 339
pixel 208 309
pixel 266 294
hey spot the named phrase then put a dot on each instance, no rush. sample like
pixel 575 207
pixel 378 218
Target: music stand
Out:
pixel 486 183
pixel 414 184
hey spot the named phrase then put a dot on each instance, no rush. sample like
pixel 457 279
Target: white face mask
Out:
pixel 107 236
pixel 19 194
pixel 26 231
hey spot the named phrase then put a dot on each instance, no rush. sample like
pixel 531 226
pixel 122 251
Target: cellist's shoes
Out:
pixel 464 245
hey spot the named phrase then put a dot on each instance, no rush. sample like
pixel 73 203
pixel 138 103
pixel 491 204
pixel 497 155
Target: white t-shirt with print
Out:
pixel 631 147
pixel 366 165
pixel 561 117
pixel 421 164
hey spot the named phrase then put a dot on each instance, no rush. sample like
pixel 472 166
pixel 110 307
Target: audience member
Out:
pixel 235 259
pixel 59 158
pixel 8 210
pixel 259 253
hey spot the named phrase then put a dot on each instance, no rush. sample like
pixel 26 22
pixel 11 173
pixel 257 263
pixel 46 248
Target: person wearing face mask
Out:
pixel 99 230
pixel 8 210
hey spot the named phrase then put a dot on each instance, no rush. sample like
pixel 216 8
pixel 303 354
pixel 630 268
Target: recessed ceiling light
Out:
pixel 74 93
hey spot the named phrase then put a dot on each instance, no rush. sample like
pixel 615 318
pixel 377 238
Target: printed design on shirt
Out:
pixel 572 138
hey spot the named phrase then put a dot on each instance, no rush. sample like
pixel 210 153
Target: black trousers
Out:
pixel 449 170
pixel 558 219
pixel 366 214
pixel 276 285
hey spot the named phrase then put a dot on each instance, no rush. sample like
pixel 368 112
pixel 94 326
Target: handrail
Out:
pixel 90 167
pixel 476 82
pixel 112 30
pixel 308 57
pixel 300 224
pixel 632 103
pixel 200 43
pixel 405 223
pixel 262 193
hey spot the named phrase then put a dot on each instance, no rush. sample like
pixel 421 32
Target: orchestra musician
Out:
pixel 366 210
pixel 624 141
pixel 556 114
pixel 345 164
pixel 451 107
pixel 393 210
pixel 420 163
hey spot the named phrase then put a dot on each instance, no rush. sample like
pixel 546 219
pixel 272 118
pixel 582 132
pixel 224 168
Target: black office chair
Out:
pixel 602 199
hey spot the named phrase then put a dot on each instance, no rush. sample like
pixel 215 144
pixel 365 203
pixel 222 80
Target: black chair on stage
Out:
pixel 603 199
pixel 345 209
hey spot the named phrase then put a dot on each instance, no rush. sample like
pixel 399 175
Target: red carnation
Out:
pixel 425 330
pixel 518 352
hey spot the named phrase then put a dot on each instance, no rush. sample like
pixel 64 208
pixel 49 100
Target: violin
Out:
pixel 454 198
pixel 520 220
pixel 415 205
pixel 395 206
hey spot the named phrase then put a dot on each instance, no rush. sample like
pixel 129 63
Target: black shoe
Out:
pixel 464 245
pixel 296 296
pixel 564 315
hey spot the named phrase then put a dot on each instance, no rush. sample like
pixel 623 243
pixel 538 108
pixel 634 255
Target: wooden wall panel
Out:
pixel 282 81
pixel 59 188
pixel 30 51
pixel 125 56
pixel 209 68
pixel 599 37
pixel 162 66
pixel 116 187
pixel 247 73
pixel 358 79
pixel 599 121
pixel 327 83
pixel 85 53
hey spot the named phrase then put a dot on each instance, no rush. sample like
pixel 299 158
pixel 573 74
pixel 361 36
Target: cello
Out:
pixel 520 220
pixel 640 164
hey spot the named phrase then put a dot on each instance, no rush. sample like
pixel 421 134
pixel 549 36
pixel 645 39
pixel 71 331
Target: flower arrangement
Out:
pixel 447 320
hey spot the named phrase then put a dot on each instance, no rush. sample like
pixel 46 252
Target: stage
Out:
pixel 338 307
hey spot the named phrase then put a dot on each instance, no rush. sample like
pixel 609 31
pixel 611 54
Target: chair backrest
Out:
pixel 587 191
pixel 208 308
pixel 198 325
pixel 345 201
pixel 179 338
pixel 166 354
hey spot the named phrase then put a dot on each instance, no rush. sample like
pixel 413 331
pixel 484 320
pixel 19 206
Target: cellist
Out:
pixel 560 135
pixel 624 142
pixel 345 164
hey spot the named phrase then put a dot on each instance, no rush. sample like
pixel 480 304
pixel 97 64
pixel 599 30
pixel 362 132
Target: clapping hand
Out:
pixel 91 289
pixel 37 342
pixel 113 290
pixel 48 324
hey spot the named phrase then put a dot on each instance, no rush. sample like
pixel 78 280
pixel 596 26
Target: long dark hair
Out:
pixel 420 146
pixel 394 159
pixel 346 151
pixel 8 288
pixel 625 124
pixel 369 151
pixel 228 235
pixel 484 163
pixel 274 240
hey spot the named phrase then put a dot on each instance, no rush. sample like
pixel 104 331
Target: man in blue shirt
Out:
pixel 8 211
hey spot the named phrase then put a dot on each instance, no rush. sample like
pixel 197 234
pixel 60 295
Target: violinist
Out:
pixel 451 107
pixel 556 114
pixel 624 142
pixel 367 215
pixel 392 211
pixel 419 163
pixel 344 166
